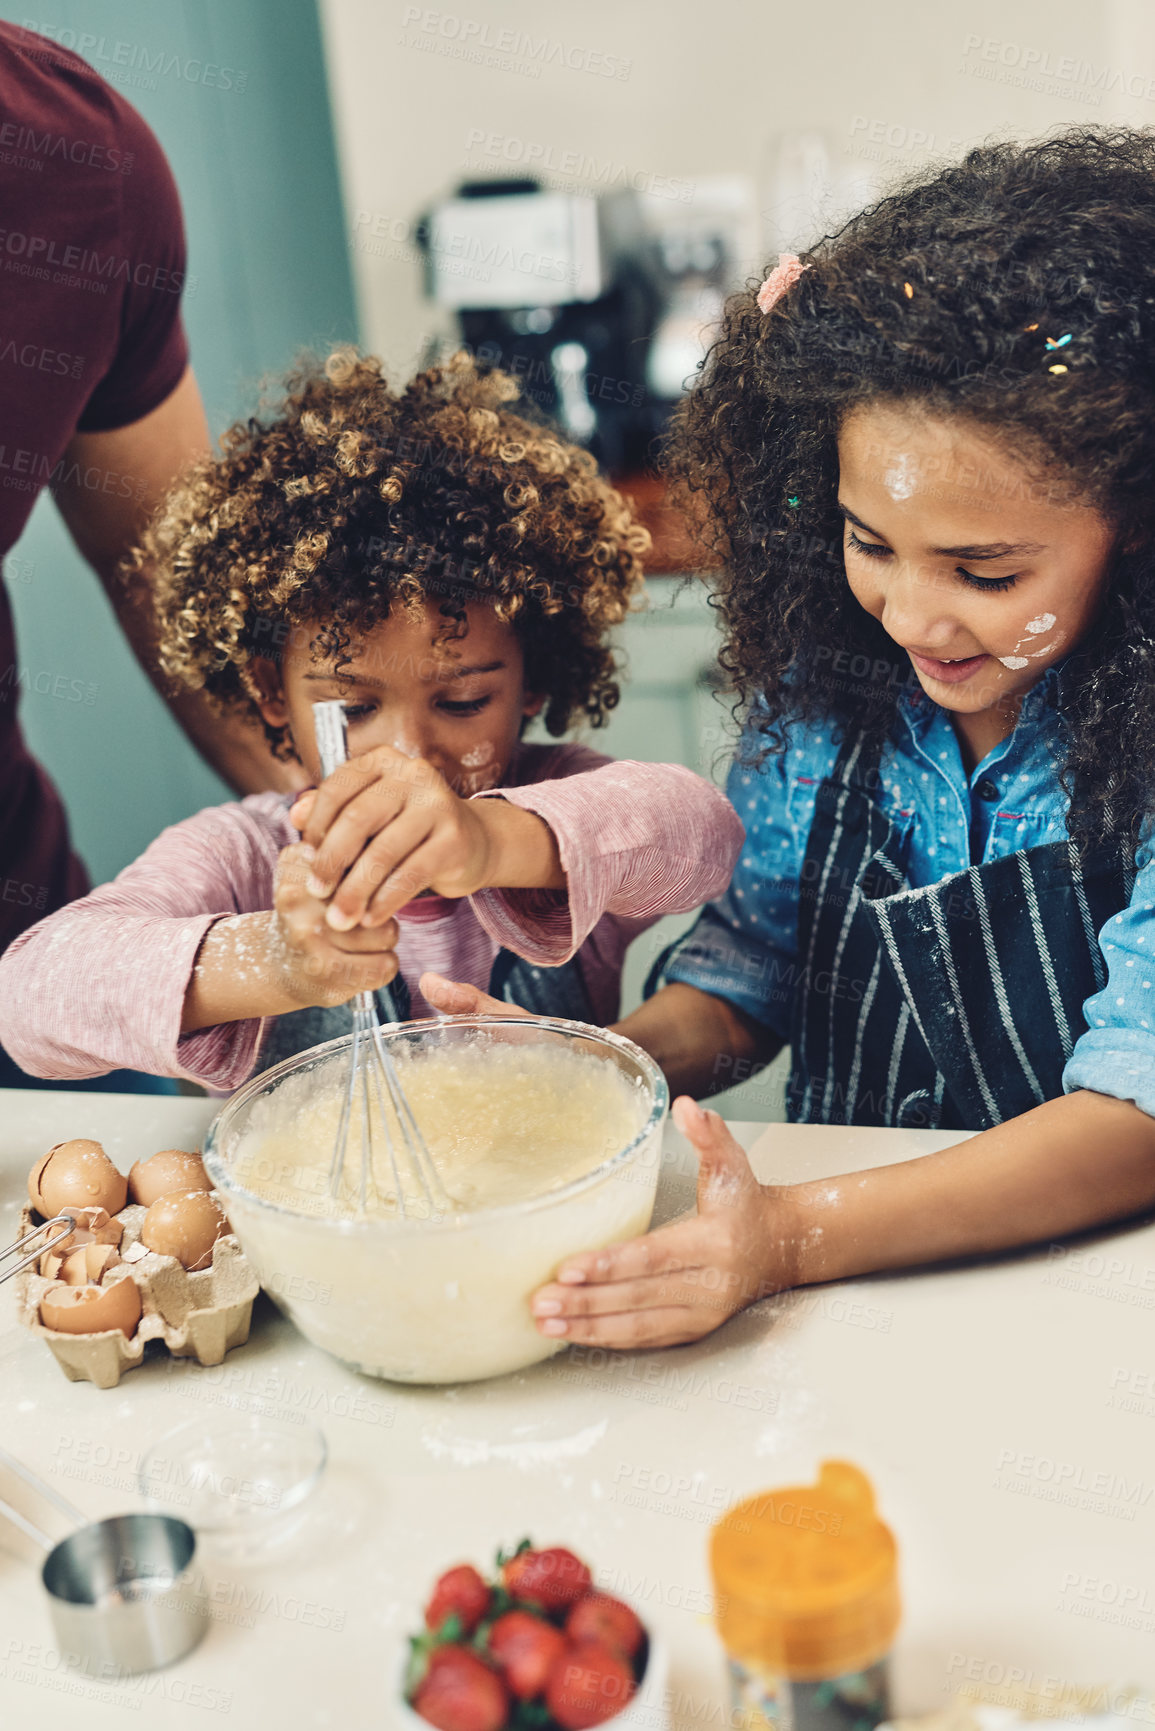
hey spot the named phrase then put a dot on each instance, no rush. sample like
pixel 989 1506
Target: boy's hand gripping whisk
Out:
pixel 373 1075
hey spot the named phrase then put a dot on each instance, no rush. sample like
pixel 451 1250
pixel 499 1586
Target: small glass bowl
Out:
pixel 240 1480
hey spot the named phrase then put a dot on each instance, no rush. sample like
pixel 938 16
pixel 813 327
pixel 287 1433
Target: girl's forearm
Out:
pixel 239 974
pixel 688 1031
pixel 1075 1162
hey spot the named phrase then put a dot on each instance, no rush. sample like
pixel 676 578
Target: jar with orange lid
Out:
pixel 806 1593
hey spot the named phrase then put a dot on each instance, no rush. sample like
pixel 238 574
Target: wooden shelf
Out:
pixel 674 552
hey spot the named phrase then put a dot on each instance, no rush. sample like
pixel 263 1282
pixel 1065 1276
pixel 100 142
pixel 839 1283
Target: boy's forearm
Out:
pixel 687 1031
pixel 237 976
pixel 524 854
pixel 1075 1162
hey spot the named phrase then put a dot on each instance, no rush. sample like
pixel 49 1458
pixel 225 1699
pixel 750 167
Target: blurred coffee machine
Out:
pixel 555 288
pixel 583 298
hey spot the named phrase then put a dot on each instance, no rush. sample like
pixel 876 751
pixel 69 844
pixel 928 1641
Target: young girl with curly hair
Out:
pixel 448 568
pixel 926 448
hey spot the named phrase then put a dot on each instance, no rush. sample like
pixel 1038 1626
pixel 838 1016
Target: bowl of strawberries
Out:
pixel 535 1647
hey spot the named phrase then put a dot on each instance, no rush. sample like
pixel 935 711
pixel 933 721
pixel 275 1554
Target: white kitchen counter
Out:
pixel 1005 1412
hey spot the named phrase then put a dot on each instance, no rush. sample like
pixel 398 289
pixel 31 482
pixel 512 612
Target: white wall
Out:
pixel 706 85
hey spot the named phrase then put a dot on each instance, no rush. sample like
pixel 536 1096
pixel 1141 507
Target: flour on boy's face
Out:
pixel 454 697
pixel 982 569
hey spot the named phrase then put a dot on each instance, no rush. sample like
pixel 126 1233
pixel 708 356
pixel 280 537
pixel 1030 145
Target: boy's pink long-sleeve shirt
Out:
pixel 101 984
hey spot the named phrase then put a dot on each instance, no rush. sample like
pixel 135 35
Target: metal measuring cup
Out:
pixel 120 1591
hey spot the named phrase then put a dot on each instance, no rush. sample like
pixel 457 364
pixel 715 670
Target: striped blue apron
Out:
pixel 954 1005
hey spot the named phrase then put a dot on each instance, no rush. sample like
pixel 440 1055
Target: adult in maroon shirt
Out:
pixel 97 401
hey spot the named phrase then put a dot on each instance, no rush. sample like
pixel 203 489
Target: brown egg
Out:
pixel 170 1170
pixel 92 1309
pixel 93 1226
pixel 185 1225
pixel 76 1174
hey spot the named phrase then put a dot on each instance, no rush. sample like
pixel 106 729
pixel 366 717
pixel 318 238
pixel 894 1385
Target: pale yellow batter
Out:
pixel 503 1123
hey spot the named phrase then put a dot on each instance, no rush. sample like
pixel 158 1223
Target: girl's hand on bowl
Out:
pixel 683 1280
pixel 317 964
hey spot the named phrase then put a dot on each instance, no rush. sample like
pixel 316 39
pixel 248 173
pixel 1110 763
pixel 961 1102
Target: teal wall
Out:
pixel 257 170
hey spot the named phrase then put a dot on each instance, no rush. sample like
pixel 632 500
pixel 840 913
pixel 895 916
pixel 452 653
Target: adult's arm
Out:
pixel 113 481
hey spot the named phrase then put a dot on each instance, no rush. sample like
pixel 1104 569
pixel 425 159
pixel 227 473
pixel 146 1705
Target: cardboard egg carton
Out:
pixel 198 1315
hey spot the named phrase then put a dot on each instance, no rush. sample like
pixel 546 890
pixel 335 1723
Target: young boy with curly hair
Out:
pixel 448 568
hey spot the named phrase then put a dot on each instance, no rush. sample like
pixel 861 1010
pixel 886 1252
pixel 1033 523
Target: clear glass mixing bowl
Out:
pixel 444 1299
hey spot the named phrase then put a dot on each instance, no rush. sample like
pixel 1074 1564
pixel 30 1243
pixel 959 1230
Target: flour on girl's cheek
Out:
pixel 1033 628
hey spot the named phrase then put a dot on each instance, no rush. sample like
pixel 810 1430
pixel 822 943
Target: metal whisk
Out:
pixel 372 1072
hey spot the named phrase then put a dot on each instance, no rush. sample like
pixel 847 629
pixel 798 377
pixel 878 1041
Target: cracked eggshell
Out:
pixel 186 1225
pixel 170 1170
pixel 201 1315
pixel 89 1263
pixel 93 1226
pixel 76 1174
pixel 92 1309
pixel 78 1266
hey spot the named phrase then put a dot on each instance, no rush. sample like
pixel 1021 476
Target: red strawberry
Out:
pixel 553 1579
pixel 459 1591
pixel 525 1649
pixel 588 1685
pixel 459 1692
pixel 602 1618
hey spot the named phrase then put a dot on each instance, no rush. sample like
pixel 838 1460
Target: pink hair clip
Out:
pixel 784 275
